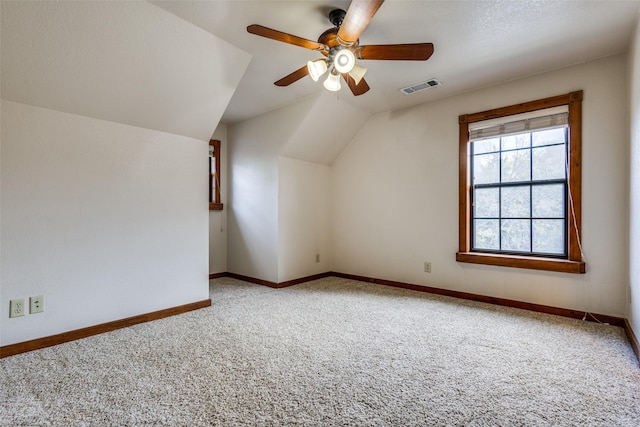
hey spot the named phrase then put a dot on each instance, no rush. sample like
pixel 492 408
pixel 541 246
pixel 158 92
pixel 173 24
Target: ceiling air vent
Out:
pixel 419 87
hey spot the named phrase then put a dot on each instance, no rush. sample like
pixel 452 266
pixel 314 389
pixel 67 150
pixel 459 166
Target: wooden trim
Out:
pixel 635 344
pixel 533 263
pixel 215 204
pixel 253 280
pixel 280 284
pixel 540 104
pixel 564 312
pixel 575 176
pixel 574 262
pixel 304 279
pixel 218 275
pixel 39 343
pixel 464 188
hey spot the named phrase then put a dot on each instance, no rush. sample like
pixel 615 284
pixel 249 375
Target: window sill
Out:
pixel 535 263
pixel 215 206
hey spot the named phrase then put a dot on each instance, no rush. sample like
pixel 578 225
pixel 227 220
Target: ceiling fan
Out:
pixel 340 46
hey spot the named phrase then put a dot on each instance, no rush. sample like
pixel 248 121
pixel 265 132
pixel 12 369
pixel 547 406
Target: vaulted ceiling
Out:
pixel 477 44
pixel 125 62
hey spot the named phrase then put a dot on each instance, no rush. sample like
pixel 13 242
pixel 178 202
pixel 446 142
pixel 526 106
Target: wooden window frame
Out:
pixel 573 263
pixel 215 204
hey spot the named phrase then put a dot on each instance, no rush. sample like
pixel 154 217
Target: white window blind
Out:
pixel 510 125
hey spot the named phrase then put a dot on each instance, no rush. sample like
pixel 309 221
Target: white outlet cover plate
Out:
pixel 36 304
pixel 16 307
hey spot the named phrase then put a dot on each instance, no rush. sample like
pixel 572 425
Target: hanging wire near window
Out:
pixel 574 221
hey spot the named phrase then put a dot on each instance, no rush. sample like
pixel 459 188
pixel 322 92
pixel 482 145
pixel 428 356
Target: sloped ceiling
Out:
pixel 127 62
pixel 315 129
pixel 329 125
pixel 477 43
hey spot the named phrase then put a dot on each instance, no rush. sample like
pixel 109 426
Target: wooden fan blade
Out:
pixel 358 89
pixel 259 30
pixel 293 77
pixel 396 52
pixel 357 18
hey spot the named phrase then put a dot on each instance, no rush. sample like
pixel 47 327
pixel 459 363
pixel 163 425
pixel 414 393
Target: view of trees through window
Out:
pixel 519 193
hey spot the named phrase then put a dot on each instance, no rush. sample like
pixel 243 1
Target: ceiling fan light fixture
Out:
pixel 317 68
pixel 344 61
pixel 339 46
pixel 333 82
pixel 357 73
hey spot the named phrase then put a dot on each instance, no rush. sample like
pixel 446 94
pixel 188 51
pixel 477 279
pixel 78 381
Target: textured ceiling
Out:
pixel 477 44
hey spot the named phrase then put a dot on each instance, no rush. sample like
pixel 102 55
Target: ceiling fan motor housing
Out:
pixel 330 39
pixel 336 16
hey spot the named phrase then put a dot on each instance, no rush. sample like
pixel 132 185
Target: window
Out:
pixel 214 176
pixel 520 185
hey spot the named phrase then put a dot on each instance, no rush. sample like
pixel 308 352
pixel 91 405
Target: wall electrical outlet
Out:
pixel 16 307
pixel 317 257
pixel 36 304
pixel 427 267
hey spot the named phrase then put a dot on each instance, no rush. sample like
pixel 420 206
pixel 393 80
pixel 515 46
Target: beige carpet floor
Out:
pixel 332 352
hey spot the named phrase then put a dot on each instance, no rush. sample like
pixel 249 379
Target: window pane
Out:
pixel 516 235
pixel 516 202
pixel 516 166
pixel 548 236
pixel 487 203
pixel 486 234
pixel 504 215
pixel 486 168
pixel 486 146
pixel 548 201
pixel 548 162
pixel 549 136
pixel 516 141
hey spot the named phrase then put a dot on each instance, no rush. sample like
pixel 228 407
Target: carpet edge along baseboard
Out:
pixel 39 343
pixel 633 339
pixel 275 284
pixel 564 312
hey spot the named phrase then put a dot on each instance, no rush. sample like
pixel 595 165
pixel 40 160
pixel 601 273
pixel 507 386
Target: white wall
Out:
pixel 396 195
pixel 304 226
pixel 105 220
pixel 1 287
pixel 267 233
pixel 218 219
pixel 634 211
pixel 254 144
pixel 107 111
